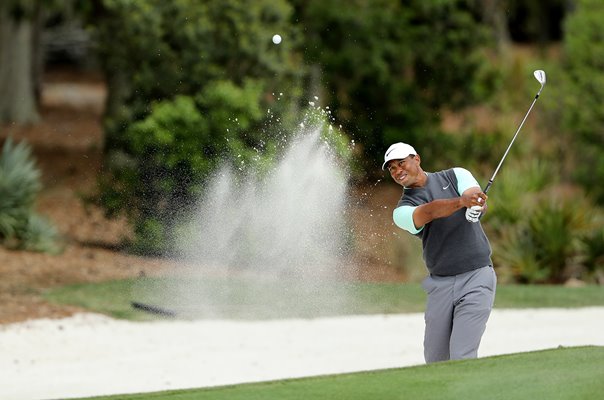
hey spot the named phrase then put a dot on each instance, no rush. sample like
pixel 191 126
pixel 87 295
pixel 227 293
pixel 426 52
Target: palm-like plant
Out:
pixel 20 226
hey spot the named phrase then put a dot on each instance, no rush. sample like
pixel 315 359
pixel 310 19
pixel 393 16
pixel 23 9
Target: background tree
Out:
pixel 389 68
pixel 24 40
pixel 584 93
pixel 209 70
pixel 18 24
pixel 190 83
pixel 195 84
pixel 536 21
pixel 494 15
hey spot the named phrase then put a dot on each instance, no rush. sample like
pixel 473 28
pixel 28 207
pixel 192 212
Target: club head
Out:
pixel 540 76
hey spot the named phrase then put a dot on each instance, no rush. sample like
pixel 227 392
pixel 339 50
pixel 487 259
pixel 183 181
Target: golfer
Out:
pixel 461 281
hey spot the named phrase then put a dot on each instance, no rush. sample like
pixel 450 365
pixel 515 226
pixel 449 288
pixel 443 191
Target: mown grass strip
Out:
pixel 562 374
pixel 262 300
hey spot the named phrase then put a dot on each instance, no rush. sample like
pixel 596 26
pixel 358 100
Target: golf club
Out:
pixel 153 309
pixel 473 213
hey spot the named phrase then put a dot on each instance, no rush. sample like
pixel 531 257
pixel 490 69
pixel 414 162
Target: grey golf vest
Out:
pixel 452 245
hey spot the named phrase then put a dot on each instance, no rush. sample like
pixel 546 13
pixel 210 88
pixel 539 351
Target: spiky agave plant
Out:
pixel 20 226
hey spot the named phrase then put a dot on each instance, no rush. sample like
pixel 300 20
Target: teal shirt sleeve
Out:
pixel 403 218
pixel 465 180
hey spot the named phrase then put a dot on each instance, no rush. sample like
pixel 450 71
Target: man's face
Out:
pixel 406 171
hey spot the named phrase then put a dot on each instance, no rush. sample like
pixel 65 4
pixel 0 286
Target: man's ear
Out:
pixel 419 159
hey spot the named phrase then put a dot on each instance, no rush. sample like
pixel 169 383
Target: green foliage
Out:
pixel 543 240
pixel 38 234
pixel 384 85
pixel 172 152
pixel 515 189
pixel 154 50
pixel 20 226
pixel 583 115
pixel 539 231
pixel 594 254
pixel 193 85
pixel 190 84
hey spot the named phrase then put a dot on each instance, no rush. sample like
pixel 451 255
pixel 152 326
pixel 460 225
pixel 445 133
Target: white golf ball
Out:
pixel 277 39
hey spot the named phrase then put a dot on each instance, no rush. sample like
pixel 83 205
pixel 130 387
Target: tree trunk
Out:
pixel 494 15
pixel 17 92
pixel 39 17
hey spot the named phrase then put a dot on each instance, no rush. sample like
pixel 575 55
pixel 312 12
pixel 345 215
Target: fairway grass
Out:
pixel 259 300
pixel 564 374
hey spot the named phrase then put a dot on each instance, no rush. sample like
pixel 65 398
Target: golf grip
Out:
pixel 469 211
pixel 486 189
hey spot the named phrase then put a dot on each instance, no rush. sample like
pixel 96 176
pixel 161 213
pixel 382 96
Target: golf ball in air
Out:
pixel 277 39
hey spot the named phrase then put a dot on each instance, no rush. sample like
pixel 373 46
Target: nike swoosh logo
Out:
pixel 390 152
pixel 446 187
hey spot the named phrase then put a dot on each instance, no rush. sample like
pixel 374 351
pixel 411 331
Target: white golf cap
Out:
pixel 398 151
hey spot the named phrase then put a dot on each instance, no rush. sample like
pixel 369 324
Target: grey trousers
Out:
pixel 457 312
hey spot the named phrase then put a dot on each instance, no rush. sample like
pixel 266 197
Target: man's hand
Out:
pixel 473 197
pixel 475 201
pixel 473 213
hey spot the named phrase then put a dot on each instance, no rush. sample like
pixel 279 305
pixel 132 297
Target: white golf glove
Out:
pixel 473 213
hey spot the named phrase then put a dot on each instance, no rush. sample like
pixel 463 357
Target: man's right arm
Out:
pixel 413 219
pixel 441 208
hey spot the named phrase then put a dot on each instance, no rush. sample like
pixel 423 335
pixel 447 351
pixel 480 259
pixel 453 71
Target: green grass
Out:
pixel 539 296
pixel 559 374
pixel 262 300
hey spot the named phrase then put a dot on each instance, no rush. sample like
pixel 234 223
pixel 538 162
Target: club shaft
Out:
pixel 486 189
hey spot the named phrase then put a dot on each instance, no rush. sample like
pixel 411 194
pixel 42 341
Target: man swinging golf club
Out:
pixel 443 209
pixel 461 283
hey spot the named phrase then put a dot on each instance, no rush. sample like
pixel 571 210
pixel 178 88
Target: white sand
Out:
pixel 89 354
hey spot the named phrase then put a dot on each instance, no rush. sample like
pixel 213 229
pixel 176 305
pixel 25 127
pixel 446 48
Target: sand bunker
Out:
pixel 90 354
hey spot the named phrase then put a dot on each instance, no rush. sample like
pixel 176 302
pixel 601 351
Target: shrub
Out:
pixel 513 191
pixel 167 156
pixel 546 243
pixel 594 255
pixel 380 84
pixel 20 226
pixel 189 84
pixel 582 100
pixel 171 153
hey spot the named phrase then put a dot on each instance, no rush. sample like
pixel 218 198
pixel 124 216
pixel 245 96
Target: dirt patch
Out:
pixel 67 143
